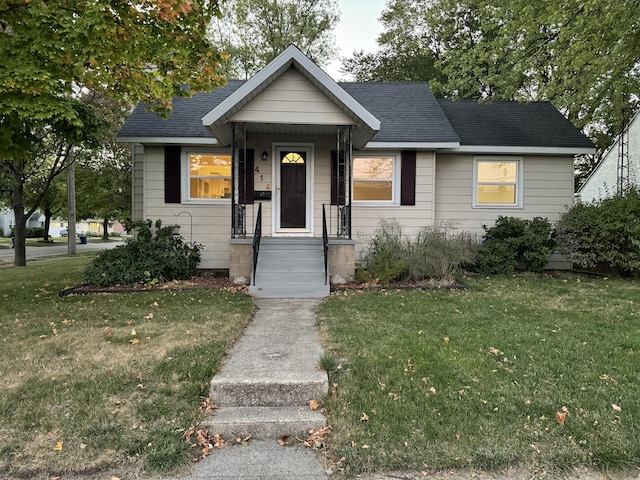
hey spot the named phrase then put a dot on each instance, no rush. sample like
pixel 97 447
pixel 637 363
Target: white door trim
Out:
pixel 309 149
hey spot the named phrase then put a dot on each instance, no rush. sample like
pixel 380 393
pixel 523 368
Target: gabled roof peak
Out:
pixel 291 57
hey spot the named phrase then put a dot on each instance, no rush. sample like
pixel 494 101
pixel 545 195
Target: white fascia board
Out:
pixel 269 73
pixel 412 145
pixel 169 140
pixel 524 150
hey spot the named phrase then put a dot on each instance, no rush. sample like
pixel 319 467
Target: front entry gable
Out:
pixel 291 90
pixel 292 99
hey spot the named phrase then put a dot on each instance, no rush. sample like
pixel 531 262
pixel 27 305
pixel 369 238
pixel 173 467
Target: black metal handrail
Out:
pixel 256 241
pixel 325 242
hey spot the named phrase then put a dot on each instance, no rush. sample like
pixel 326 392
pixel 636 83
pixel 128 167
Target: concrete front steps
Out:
pixel 290 268
pixel 266 384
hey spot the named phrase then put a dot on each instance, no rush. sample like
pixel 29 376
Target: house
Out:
pixel 619 167
pixel 8 221
pixel 290 161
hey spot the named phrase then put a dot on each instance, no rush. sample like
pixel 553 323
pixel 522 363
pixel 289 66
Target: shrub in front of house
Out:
pixel 515 244
pixel 605 232
pixel 435 253
pixel 154 254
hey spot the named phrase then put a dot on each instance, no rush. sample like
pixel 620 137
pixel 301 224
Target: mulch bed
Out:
pixel 220 281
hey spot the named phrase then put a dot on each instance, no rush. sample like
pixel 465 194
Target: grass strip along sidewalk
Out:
pixel 104 383
pixel 534 371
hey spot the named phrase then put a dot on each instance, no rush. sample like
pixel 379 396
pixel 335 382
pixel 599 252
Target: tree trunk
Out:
pixel 47 223
pixel 20 253
pixel 105 229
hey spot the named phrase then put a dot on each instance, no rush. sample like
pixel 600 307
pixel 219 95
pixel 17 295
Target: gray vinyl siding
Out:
pixel 137 179
pixel 292 99
pixel 547 191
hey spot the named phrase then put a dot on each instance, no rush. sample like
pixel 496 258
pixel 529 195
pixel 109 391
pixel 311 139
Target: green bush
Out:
pixel 385 257
pixel 30 232
pixel 152 255
pixel 515 243
pixel 605 232
pixel 436 254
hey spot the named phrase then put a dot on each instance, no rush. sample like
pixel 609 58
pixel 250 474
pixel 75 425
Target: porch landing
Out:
pixel 290 268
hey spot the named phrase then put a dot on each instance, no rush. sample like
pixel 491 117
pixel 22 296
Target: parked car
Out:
pixel 64 232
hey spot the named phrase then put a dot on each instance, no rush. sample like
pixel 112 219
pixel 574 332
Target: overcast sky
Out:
pixel 357 30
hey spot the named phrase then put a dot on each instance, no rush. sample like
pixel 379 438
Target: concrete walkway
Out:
pixel 279 349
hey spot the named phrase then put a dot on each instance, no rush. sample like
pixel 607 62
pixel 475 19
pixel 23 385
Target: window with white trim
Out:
pixel 497 182
pixel 209 176
pixel 375 179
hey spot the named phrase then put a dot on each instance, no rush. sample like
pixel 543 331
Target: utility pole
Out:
pixel 71 203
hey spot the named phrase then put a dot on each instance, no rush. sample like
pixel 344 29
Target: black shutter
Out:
pixel 337 180
pixel 408 177
pixel 246 180
pixel 172 190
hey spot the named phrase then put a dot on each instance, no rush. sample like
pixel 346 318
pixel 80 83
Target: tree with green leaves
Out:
pixel 404 53
pixel 254 32
pixel 103 188
pixel 582 55
pixel 54 50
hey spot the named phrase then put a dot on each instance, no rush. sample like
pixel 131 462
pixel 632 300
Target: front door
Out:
pixel 293 195
pixel 293 187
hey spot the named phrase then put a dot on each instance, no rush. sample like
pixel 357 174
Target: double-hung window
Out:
pixel 209 176
pixel 375 179
pixel 497 182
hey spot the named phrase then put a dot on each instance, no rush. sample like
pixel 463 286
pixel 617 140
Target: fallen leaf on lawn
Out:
pixel 148 317
pixel 535 447
pixel 58 447
pixel 187 434
pixel 83 446
pixel 564 409
pixel 54 478
pixel 617 408
pixel 560 418
pixel 282 441
pixel 432 390
pixel 317 437
pixel 395 396
pixel 366 446
pixel 154 304
pixel 115 478
pixel 313 405
pixel 364 417
pixel 133 332
pixel 207 405
pixel 495 351
pixel 134 341
pixel 446 339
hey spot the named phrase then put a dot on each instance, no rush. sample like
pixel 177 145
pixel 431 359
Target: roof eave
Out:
pixel 523 150
pixel 169 140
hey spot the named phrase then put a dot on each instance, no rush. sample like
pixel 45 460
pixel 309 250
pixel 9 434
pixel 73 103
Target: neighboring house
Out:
pixel 297 143
pixel 8 221
pixel 620 162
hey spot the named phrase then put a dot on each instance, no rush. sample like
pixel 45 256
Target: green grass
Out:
pixel 473 379
pixel 69 372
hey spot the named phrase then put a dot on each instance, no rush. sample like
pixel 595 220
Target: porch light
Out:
pixel 265 156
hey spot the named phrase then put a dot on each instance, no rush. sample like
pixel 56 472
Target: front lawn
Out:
pixel 105 382
pixel 541 372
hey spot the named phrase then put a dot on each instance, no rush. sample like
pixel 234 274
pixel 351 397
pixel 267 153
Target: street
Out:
pixel 7 253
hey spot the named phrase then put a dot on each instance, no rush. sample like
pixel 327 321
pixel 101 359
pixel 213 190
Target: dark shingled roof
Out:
pixel 504 123
pixel 185 119
pixel 408 112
